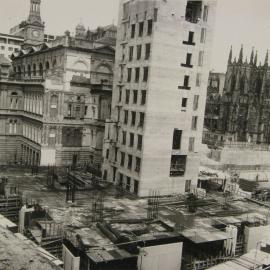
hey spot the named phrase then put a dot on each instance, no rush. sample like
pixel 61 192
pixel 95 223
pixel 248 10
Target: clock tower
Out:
pixel 34 26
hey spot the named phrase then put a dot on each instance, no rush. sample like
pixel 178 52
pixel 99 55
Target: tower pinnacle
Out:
pixel 230 56
pixel 240 59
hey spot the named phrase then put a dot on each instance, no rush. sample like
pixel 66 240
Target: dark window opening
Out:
pixel 133 118
pixel 190 39
pixel 129 75
pixel 137 75
pixel 141 25
pixel 131 139
pixel 147 51
pixel 141 122
pixel 122 159
pixel 143 98
pixel 135 96
pixel 129 162
pixel 139 144
pixel 138 165
pixel 193 11
pixel 139 52
pixel 130 53
pixel 125 117
pixel 177 137
pixel 186 83
pixel 150 27
pixel 184 102
pixel 127 96
pixel 124 137
pixel 178 165
pixel 133 28
pixel 188 61
pixel 145 74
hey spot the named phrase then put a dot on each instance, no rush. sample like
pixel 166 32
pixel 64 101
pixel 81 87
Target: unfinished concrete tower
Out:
pixel 162 64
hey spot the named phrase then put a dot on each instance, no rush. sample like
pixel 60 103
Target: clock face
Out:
pixel 35 33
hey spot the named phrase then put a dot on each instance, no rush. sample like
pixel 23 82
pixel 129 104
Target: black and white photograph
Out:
pixel 134 135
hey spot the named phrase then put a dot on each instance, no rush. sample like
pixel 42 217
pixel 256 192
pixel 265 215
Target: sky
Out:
pixel 238 22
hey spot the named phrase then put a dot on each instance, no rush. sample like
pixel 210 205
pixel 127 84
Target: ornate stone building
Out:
pixel 245 103
pixel 54 105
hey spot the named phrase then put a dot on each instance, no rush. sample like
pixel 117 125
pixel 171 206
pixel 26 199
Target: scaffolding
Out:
pixel 153 204
pixel 98 208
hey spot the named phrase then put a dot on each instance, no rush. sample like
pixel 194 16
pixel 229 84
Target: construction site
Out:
pixel 87 223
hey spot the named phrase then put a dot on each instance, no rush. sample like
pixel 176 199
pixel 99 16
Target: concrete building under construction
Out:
pixel 162 62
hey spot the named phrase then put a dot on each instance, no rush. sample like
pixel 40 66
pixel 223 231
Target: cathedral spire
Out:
pixel 255 60
pixel 266 59
pixel 251 56
pixel 240 59
pixel 230 56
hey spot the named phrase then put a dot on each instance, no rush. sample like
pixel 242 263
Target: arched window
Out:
pixel 40 69
pixel 233 83
pixel 54 63
pixel 34 70
pixel 19 72
pixel 29 71
pixel 14 100
pixel 47 66
pixel 54 105
pixel 242 85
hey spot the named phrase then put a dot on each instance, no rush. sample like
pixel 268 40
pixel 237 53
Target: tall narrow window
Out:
pixel 141 122
pixel 129 71
pixel 188 61
pixel 155 14
pixel 196 102
pixel 120 95
pixel 198 79
pixel 139 143
pixel 133 118
pixel 191 144
pixel 139 52
pixel 145 74
pixel 149 27
pixel 133 28
pixel 127 96
pixel 147 51
pixel 131 139
pixel 143 97
pixel 135 96
pixel 129 162
pixel 203 35
pixel 194 122
pixel 125 117
pixel 122 163
pixel 205 13
pixel 137 75
pixel 184 102
pixel 200 60
pixel 141 25
pixel 124 137
pixel 130 53
pixel 177 137
pixel 138 165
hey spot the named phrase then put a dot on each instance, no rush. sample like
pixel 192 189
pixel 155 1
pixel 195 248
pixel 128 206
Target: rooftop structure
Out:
pixel 17 252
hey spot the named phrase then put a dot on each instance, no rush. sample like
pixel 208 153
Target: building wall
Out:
pixel 255 235
pixel 161 257
pixel 164 109
pixel 9 44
